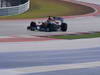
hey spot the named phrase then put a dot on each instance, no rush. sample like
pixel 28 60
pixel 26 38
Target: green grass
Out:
pixel 44 8
pixel 93 35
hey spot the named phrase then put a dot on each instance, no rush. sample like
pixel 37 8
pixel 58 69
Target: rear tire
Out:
pixel 64 27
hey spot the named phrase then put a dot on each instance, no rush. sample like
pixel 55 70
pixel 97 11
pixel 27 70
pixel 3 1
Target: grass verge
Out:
pixel 93 35
pixel 44 8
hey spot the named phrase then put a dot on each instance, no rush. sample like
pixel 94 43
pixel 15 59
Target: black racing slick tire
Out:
pixel 64 27
pixel 32 26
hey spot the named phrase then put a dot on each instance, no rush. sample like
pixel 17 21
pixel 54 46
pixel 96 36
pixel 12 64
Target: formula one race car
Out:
pixel 52 24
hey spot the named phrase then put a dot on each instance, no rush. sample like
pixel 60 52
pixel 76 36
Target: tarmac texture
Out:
pixel 24 52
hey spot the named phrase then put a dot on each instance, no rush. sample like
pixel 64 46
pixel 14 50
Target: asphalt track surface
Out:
pixel 79 24
pixel 15 60
pixel 50 57
pixel 45 58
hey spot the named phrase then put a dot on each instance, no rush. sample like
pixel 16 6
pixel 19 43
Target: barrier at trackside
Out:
pixel 13 10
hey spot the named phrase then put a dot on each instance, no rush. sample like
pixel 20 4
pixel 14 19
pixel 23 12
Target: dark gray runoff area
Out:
pixel 44 58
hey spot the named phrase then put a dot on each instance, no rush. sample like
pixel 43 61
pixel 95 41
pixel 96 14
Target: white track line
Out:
pixel 58 67
pixel 38 69
pixel 4 37
pixel 19 36
pixel 50 45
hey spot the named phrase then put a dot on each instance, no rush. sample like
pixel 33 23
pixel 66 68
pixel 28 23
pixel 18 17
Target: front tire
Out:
pixel 64 27
pixel 32 26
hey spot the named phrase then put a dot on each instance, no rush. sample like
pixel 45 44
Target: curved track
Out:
pixel 21 53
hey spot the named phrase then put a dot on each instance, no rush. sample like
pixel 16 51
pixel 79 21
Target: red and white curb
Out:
pixel 26 38
pixel 94 6
pixel 23 38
